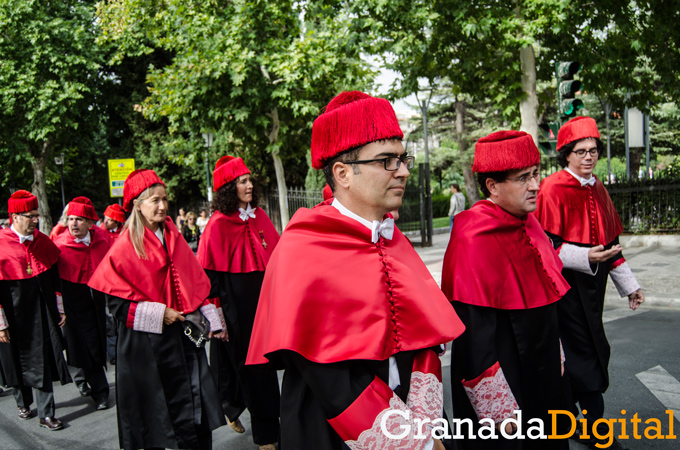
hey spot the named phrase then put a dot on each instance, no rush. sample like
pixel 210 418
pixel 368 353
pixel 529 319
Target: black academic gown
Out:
pixel 526 345
pixel 85 329
pixel 581 329
pixel 165 394
pixel 241 386
pixel 34 357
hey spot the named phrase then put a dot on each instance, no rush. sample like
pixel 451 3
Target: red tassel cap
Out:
pixel 227 169
pixel 82 207
pixel 20 202
pixel 505 150
pixel 136 183
pixel 115 212
pixel 352 119
pixel 576 129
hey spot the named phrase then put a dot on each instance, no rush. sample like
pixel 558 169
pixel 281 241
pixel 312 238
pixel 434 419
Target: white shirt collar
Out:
pixel 85 240
pixel 245 214
pixel 384 228
pixel 22 238
pixel 590 181
pixel 159 234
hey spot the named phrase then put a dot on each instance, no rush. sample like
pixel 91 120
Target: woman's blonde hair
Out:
pixel 190 214
pixel 135 223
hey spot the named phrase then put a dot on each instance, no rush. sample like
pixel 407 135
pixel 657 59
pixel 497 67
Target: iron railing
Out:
pixel 647 206
pixel 298 197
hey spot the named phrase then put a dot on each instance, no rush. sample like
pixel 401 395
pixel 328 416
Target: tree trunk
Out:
pixel 273 136
pixel 528 107
pixel 39 187
pixel 470 181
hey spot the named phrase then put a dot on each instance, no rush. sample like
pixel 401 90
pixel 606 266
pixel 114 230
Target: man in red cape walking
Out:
pixel 503 278
pixel 114 218
pixel 31 312
pixel 578 215
pixel 347 306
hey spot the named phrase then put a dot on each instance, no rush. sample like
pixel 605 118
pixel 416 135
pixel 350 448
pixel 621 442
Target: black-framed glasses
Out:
pixel 582 152
pixel 391 163
pixel 524 180
pixel 30 216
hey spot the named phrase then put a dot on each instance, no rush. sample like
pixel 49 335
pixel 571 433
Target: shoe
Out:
pixel 236 425
pixel 102 405
pixel 25 413
pixel 84 390
pixel 51 423
pixel 268 447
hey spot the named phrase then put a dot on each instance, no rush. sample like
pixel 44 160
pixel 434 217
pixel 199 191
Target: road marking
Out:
pixel 620 313
pixel 664 387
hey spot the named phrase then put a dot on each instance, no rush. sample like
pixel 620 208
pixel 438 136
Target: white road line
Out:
pixel 664 387
pixel 620 313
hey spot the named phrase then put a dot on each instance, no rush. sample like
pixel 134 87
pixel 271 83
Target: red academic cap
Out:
pixel 227 169
pixel 82 207
pixel 115 212
pixel 505 150
pixel 136 183
pixel 577 128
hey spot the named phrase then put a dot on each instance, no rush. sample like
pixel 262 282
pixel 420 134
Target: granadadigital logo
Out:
pixel 629 428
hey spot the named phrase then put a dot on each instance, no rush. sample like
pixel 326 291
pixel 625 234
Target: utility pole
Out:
pixel 208 138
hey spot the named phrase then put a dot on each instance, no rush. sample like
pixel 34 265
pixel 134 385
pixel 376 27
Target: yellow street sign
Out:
pixel 119 169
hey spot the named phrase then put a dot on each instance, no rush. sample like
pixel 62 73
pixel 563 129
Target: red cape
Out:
pixel 579 214
pixel 112 234
pixel 58 229
pixel 77 261
pixel 229 244
pixel 173 277
pixel 331 295
pixel 14 259
pixel 497 260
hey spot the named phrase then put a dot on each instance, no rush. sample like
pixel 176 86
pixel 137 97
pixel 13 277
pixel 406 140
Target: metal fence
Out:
pixel 647 206
pixel 298 197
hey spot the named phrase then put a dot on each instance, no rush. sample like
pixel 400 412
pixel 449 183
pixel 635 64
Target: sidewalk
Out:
pixel 654 261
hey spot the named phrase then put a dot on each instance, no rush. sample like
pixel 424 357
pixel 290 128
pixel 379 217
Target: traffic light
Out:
pixel 567 88
pixel 548 143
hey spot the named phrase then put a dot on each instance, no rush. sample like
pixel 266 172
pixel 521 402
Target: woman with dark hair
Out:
pixel 234 250
pixel 165 394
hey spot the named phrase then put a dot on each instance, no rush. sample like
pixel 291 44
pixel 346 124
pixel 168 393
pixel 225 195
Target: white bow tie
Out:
pixel 589 182
pixel 245 214
pixel 384 229
pixel 85 240
pixel 23 239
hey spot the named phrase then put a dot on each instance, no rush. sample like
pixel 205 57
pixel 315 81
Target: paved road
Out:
pixel 640 341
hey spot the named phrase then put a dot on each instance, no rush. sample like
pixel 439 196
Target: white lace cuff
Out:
pixel 576 258
pixel 149 317
pixel 210 312
pixel 491 396
pixel 3 320
pixel 60 304
pixel 425 396
pixel 624 280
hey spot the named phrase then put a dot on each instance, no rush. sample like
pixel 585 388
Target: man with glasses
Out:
pixel 502 276
pixel 577 213
pixel 31 313
pixel 347 306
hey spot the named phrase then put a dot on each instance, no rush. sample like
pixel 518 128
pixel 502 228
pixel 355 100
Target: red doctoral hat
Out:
pixel 82 207
pixel 20 202
pixel 505 150
pixel 352 119
pixel 115 212
pixel 227 169
pixel 576 129
pixel 327 192
pixel 136 183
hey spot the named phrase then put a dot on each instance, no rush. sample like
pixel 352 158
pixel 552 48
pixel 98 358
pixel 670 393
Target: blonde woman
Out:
pixel 166 396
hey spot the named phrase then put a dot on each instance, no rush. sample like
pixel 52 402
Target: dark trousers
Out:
pixel 96 379
pixel 45 398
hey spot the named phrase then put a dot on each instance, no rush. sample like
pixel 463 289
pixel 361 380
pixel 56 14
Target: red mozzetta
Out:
pixel 237 246
pixel 591 218
pixel 77 261
pixel 335 315
pixel 40 254
pixel 516 244
pixel 173 277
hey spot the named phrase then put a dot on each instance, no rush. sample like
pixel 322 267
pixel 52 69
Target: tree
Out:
pixel 48 83
pixel 253 73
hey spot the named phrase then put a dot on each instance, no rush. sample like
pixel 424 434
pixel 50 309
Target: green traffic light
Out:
pixel 570 106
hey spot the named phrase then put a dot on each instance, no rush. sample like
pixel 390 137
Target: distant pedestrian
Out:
pixel 202 220
pixel 181 218
pixel 165 394
pixel 578 215
pixel 114 218
pixel 60 226
pixel 82 248
pixel 191 232
pixel 234 251
pixel 31 312
pixel 457 204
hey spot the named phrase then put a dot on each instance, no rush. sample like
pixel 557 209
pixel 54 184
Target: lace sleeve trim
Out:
pixel 490 395
pixel 149 317
pixel 624 280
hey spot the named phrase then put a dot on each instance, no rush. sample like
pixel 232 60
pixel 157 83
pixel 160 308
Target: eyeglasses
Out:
pixel 391 163
pixel 31 216
pixel 582 153
pixel 524 180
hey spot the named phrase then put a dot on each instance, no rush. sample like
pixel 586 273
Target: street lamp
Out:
pixel 208 138
pixel 59 161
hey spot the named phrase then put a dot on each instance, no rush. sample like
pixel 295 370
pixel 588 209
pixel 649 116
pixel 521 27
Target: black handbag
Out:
pixel 197 328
